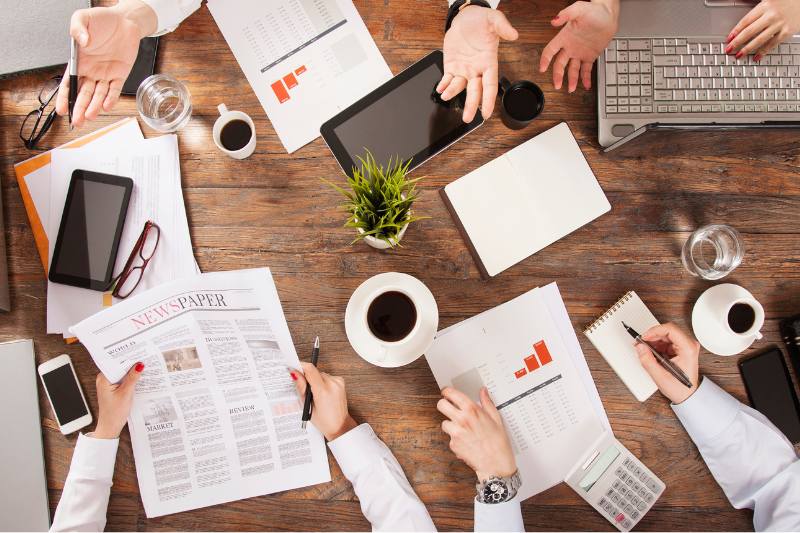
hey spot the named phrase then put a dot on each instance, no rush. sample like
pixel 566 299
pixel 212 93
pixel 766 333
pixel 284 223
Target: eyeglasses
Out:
pixel 33 127
pixel 143 250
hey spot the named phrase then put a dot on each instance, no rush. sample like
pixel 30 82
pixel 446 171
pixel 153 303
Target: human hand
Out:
pixel 683 350
pixel 470 58
pixel 586 29
pixel 764 27
pixel 477 434
pixel 108 43
pixel 115 401
pixel 329 415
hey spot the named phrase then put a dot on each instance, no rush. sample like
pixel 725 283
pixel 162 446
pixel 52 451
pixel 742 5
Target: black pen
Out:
pixel 309 395
pixel 73 77
pixel 665 362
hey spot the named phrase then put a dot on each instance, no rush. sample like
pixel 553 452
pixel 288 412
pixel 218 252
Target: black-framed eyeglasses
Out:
pixel 38 121
pixel 143 251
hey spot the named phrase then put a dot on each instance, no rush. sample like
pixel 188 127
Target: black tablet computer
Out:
pixel 90 230
pixel 404 118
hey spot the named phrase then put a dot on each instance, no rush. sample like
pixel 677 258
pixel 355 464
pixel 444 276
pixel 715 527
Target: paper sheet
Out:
pixel 153 164
pixel 305 59
pixel 519 353
pixel 216 417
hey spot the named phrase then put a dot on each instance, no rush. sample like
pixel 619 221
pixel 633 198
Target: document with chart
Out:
pixel 525 354
pixel 305 59
pixel 216 416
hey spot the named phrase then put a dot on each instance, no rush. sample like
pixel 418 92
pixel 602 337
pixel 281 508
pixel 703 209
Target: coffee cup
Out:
pixel 520 102
pixel 234 133
pixel 745 318
pixel 727 319
pixel 391 318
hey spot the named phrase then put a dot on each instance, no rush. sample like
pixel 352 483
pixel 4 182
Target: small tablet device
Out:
pixel 404 118
pixel 65 394
pixel 90 230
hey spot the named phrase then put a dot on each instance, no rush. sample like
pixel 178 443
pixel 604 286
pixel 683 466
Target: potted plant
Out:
pixel 379 201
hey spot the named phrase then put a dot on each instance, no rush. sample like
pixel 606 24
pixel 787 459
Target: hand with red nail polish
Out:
pixel 329 414
pixel 764 27
pixel 115 400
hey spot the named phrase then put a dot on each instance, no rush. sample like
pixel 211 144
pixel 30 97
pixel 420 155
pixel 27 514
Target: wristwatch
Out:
pixel 498 489
pixel 458 5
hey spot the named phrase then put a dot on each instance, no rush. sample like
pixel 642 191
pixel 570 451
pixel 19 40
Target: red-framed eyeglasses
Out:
pixel 143 251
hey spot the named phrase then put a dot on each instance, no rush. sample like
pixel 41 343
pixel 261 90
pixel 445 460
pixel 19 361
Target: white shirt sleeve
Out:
pixel 387 500
pixel 170 13
pixel 506 516
pixel 84 501
pixel 753 462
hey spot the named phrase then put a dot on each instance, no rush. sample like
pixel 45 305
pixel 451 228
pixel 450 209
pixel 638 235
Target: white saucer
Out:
pixel 709 330
pixel 391 354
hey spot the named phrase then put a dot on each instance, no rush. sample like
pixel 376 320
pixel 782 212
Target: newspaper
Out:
pixel 216 416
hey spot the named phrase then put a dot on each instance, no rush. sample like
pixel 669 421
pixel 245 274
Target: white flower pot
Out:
pixel 380 244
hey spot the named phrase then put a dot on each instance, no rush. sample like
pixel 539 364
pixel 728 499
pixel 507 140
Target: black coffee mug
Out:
pixel 520 102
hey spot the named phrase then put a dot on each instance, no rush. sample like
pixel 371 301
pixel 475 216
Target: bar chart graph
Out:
pixel 540 357
pixel 282 86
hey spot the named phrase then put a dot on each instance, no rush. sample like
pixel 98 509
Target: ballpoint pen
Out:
pixel 309 395
pixel 665 362
pixel 73 77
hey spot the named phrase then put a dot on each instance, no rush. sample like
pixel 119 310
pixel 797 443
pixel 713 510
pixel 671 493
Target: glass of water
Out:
pixel 164 103
pixel 712 252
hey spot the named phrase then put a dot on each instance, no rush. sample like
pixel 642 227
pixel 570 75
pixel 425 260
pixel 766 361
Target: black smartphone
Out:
pixel 770 390
pixel 143 67
pixel 90 230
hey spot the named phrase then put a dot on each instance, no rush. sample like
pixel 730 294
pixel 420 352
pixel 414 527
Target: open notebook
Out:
pixel 525 200
pixel 616 345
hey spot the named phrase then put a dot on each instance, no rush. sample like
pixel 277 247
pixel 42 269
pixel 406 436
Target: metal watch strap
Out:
pixel 458 5
pixel 512 484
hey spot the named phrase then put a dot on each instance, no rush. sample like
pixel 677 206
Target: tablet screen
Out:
pixel 404 118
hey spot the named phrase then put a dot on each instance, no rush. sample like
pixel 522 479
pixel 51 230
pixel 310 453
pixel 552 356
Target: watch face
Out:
pixel 495 491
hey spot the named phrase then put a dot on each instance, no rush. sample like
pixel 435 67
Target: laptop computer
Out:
pixel 667 66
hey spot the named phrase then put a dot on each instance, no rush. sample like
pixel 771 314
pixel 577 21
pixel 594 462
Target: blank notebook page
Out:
pixel 616 345
pixel 526 199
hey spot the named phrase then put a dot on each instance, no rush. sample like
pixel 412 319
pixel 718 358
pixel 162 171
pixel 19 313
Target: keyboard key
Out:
pixel 642 506
pixel 649 498
pixel 616 499
pixel 635 109
pixel 638 44
pixel 626 524
pixel 663 95
pixel 641 492
pixel 619 517
pixel 635 515
pixel 611 109
pixel 622 44
pixel 672 109
pixel 665 61
pixel 653 486
pixel 629 508
pixel 647 109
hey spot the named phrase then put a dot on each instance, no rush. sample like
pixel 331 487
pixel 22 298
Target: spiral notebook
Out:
pixel 616 345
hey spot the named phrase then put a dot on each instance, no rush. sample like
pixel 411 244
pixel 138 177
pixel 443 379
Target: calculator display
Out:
pixel 599 468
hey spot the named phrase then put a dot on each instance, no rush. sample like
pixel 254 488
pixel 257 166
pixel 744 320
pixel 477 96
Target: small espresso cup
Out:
pixel 520 102
pixel 744 318
pixel 234 133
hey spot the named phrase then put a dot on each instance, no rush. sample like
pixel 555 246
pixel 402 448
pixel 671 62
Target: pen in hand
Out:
pixel 73 77
pixel 663 360
pixel 309 395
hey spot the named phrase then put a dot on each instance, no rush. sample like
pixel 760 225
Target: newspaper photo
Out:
pixel 216 416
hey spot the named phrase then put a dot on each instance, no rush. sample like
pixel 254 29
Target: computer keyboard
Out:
pixel 685 75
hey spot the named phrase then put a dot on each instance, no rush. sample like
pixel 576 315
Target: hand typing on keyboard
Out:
pixel 586 29
pixel 764 27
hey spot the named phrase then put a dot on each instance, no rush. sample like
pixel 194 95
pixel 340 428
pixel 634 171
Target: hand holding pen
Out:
pixel 681 350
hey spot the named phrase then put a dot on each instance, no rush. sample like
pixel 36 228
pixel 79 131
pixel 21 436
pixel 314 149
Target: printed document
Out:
pixel 216 416
pixel 526 354
pixel 305 59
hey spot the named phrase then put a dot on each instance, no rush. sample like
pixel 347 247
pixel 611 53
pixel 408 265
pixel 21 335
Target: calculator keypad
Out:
pixel 630 495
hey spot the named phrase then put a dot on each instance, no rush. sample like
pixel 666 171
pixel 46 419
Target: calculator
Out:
pixel 617 484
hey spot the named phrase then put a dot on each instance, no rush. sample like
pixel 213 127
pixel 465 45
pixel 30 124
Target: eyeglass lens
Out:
pixel 129 282
pixel 151 238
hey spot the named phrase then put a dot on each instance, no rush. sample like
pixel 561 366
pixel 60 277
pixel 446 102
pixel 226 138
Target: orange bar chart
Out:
pixel 282 86
pixel 540 357
pixel 280 91
pixel 544 354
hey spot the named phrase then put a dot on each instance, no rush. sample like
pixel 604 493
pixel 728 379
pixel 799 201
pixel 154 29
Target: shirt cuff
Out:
pixel 94 458
pixel 169 14
pixel 352 449
pixel 708 412
pixel 506 516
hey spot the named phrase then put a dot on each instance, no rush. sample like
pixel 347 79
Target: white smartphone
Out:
pixel 65 394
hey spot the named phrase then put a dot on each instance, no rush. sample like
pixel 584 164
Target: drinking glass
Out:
pixel 164 103
pixel 712 252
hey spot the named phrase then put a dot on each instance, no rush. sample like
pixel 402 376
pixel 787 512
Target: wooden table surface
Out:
pixel 272 210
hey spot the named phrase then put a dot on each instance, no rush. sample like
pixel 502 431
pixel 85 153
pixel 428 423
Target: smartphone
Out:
pixel 90 231
pixel 143 67
pixel 770 390
pixel 65 394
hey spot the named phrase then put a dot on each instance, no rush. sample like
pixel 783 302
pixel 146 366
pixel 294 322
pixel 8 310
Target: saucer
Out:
pixel 388 354
pixel 708 330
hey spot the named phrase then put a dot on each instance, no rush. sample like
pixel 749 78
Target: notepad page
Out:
pixel 616 345
pixel 526 199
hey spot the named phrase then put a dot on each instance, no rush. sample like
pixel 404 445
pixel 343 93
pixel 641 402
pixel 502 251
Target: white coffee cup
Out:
pixel 226 117
pixel 385 345
pixel 758 319
pixel 712 314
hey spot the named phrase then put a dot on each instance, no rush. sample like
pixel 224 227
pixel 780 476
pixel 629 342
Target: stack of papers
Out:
pixel 120 149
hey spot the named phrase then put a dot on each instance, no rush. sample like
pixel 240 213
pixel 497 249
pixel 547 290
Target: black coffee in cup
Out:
pixel 741 317
pixel 235 135
pixel 391 316
pixel 521 102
